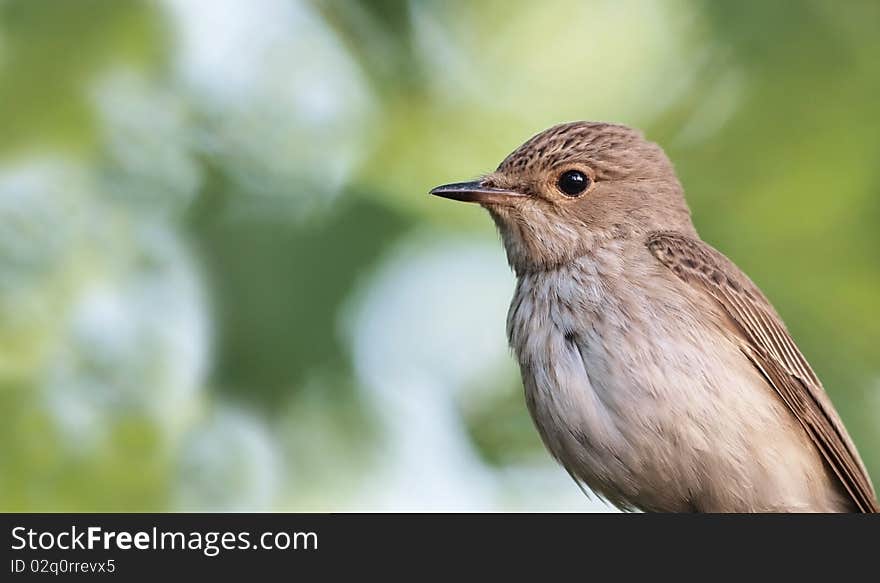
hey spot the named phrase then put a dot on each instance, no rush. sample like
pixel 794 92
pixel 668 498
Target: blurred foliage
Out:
pixel 258 354
pixel 52 50
pixel 202 202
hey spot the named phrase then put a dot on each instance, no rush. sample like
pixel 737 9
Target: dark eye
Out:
pixel 573 183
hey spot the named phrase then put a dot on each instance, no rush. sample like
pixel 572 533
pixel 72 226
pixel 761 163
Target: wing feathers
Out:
pixel 769 346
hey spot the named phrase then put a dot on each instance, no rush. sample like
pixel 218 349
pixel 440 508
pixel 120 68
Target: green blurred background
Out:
pixel 222 283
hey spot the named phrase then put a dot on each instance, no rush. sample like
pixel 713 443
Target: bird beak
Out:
pixel 475 191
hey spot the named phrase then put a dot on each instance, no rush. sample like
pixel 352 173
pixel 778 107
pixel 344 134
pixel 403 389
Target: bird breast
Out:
pixel 636 389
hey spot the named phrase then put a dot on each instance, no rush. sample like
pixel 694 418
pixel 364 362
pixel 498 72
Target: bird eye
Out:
pixel 573 183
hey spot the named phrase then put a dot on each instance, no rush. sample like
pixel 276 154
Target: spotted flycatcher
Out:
pixel 656 372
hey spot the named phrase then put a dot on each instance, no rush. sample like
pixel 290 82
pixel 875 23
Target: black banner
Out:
pixel 135 546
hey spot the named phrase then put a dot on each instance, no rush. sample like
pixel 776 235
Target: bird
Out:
pixel 655 371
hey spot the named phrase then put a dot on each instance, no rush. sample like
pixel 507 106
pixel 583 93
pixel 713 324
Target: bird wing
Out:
pixel 769 346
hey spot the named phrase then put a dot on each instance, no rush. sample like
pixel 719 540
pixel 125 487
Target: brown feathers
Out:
pixel 767 343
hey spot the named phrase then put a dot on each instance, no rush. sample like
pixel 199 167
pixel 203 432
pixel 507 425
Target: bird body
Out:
pixel 637 391
pixel 655 371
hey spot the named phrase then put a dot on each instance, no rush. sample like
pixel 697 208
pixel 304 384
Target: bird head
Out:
pixel 570 189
